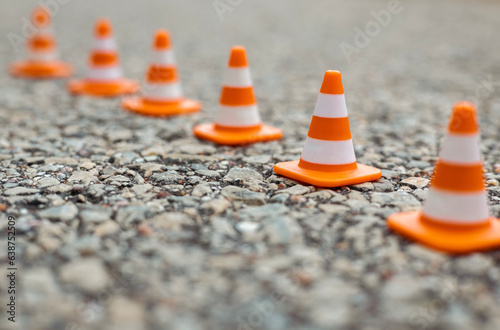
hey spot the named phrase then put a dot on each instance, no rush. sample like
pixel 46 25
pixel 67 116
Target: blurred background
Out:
pixel 404 64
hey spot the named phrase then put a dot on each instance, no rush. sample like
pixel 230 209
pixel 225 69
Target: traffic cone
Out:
pixel 43 59
pixel 237 120
pixel 455 216
pixel 104 77
pixel 328 158
pixel 162 93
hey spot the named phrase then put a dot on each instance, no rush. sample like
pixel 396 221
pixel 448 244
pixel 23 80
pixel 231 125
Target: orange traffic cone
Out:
pixel 455 215
pixel 237 120
pixel 162 93
pixel 104 77
pixel 328 158
pixel 43 59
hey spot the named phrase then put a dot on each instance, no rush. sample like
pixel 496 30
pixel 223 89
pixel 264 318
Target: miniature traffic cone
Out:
pixel 43 59
pixel 237 120
pixel 328 158
pixel 162 93
pixel 104 77
pixel 455 216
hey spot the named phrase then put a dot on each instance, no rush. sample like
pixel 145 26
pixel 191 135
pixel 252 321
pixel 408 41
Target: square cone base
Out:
pixel 141 106
pixel 447 238
pixel 41 70
pixel 327 179
pixel 237 136
pixel 103 89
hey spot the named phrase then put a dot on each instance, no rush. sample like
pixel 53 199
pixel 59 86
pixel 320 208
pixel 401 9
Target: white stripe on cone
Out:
pixel 237 77
pixel 162 92
pixel 328 152
pixel 239 116
pixel 450 207
pixel 330 106
pixel 461 149
pixel 104 44
pixel 43 56
pixel 104 73
pixel 47 30
pixel 165 57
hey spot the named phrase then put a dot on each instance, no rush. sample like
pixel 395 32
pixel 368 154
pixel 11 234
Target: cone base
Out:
pixel 140 106
pixel 451 239
pixel 101 89
pixel 41 70
pixel 327 179
pixel 235 137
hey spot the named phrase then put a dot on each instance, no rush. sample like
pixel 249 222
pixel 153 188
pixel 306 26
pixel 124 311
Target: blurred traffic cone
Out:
pixel 237 120
pixel 455 215
pixel 104 77
pixel 43 59
pixel 328 158
pixel 162 93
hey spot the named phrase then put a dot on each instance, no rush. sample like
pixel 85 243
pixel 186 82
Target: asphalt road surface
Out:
pixel 128 222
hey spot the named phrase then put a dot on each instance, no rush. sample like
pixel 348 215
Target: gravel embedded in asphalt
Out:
pixel 129 222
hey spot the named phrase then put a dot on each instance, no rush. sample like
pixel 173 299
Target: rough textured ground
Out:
pixel 126 222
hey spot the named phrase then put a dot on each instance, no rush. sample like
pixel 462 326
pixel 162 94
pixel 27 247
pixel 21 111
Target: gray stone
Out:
pixel 265 211
pixel 201 190
pixel 280 198
pixel 208 173
pixel 402 200
pixel 47 182
pixel 141 189
pixel 87 274
pixel 215 206
pixel 383 185
pixel 117 180
pixel 83 177
pixel 415 182
pixel 244 174
pixel 295 190
pixel 20 191
pixel 166 177
pixel 61 160
pixel 365 186
pixel 96 190
pixel 150 168
pixel 475 264
pixel 334 208
pixel 95 214
pixel 106 228
pixel 132 214
pixel 64 212
pixel 243 195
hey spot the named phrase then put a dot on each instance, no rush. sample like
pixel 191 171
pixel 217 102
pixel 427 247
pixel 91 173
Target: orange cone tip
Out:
pixel 43 60
pixel 237 118
pixel 161 40
pixel 41 17
pixel 162 92
pixel 104 76
pixel 328 158
pixel 455 216
pixel 332 83
pixel 103 29
pixel 238 57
